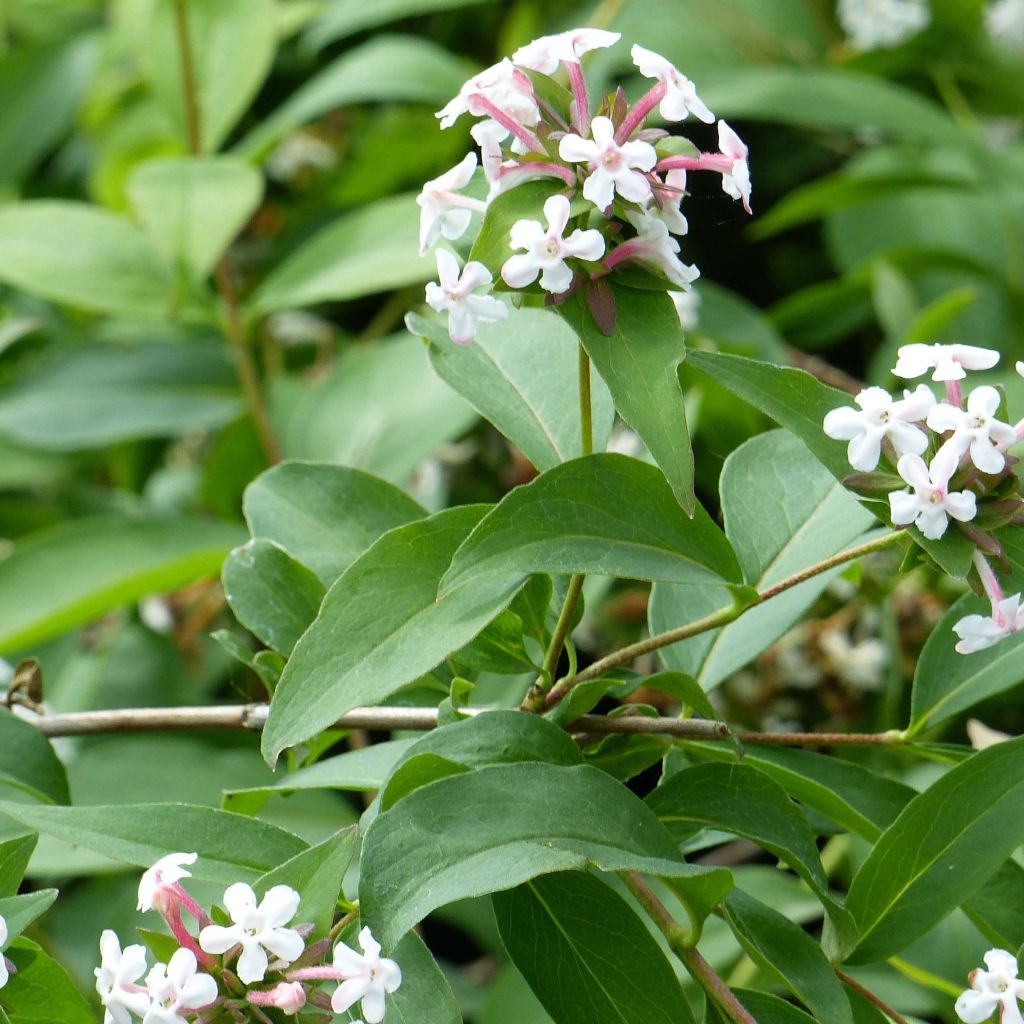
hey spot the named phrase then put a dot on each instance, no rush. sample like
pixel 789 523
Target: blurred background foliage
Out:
pixel 889 208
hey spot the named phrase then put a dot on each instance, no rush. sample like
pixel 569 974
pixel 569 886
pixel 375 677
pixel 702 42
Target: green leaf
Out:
pixel 414 772
pixel 230 847
pixel 245 29
pixel 373 249
pixel 785 950
pixel 795 400
pixel 490 738
pixel 192 207
pixel 424 994
pixel 947 683
pixel 783 513
pixel 361 770
pixel 324 516
pixel 940 850
pixel 97 395
pixel 69 575
pixel 40 992
pixel 739 799
pixel 828 98
pixel 586 954
pixel 272 595
pixel 386 69
pixel 358 651
pixel 40 90
pixel 28 763
pixel 14 858
pixel 574 817
pixel 583 516
pixel 316 875
pixel 770 1009
pixel 20 911
pixel 380 409
pixel 640 364
pixel 518 375
pixel 77 254
pixel 347 17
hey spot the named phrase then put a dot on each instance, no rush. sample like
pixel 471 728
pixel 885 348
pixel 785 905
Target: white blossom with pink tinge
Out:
pixel 975 429
pixel 880 417
pixel 977 632
pixel 613 168
pixel 256 929
pixel 504 86
pixel 443 212
pixel 117 977
pixel 547 52
pixel 457 295
pixel 996 987
pixel 547 251
pixel 931 502
pixel 671 197
pixel 654 245
pixel 948 361
pixel 162 877
pixel 735 180
pixel 368 978
pixel 175 988
pixel 680 99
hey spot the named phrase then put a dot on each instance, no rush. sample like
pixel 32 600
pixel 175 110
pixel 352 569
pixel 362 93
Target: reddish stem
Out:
pixel 643 106
pixel 527 138
pixel 579 92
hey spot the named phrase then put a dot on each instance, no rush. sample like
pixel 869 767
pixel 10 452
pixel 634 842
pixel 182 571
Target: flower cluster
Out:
pixel 631 178
pixel 967 476
pixel 876 24
pixel 219 970
pixel 997 988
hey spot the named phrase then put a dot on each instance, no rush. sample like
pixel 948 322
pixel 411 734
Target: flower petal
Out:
pixel 865 450
pixel 285 943
pixel 961 505
pixel 373 1005
pixel 519 271
pixel 348 993
pixel 279 905
pixel 974 1007
pixel 252 964
pixel 216 940
pixel 556 212
pixel 574 149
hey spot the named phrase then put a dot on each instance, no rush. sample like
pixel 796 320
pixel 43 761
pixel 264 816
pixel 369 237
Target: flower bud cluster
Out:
pixel 631 178
pixel 967 476
pixel 237 970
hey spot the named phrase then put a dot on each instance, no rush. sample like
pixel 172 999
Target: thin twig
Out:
pixel 871 997
pixel 824 739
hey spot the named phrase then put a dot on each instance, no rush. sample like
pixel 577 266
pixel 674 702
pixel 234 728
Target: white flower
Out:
pixel 1004 20
pixel 931 501
pixel 161 878
pixel 298 152
pixel 949 361
pixel 456 294
pixel 653 244
pixel 872 24
pixel 256 929
pixel 545 54
pixel 680 99
pixel 735 181
pixel 881 416
pixel 442 211
pixel 975 428
pixel 996 987
pixel 547 251
pixel 504 86
pixel 977 632
pixel 367 978
pixel 670 199
pixel 116 979
pixel 3 939
pixel 489 135
pixel 613 168
pixel 175 988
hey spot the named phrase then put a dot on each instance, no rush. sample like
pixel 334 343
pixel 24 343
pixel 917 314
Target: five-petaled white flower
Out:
pixel 456 294
pixel 996 987
pixel 977 632
pixel 880 416
pixel 931 501
pixel 175 988
pixel 547 251
pixel 654 245
pixel 613 168
pixel 503 86
pixel 735 180
pixel 256 929
pixel 4 975
pixel 975 428
pixel 948 361
pixel 367 978
pixel 680 99
pixel 443 212
pixel 545 54
pixel 116 979
pixel 162 878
